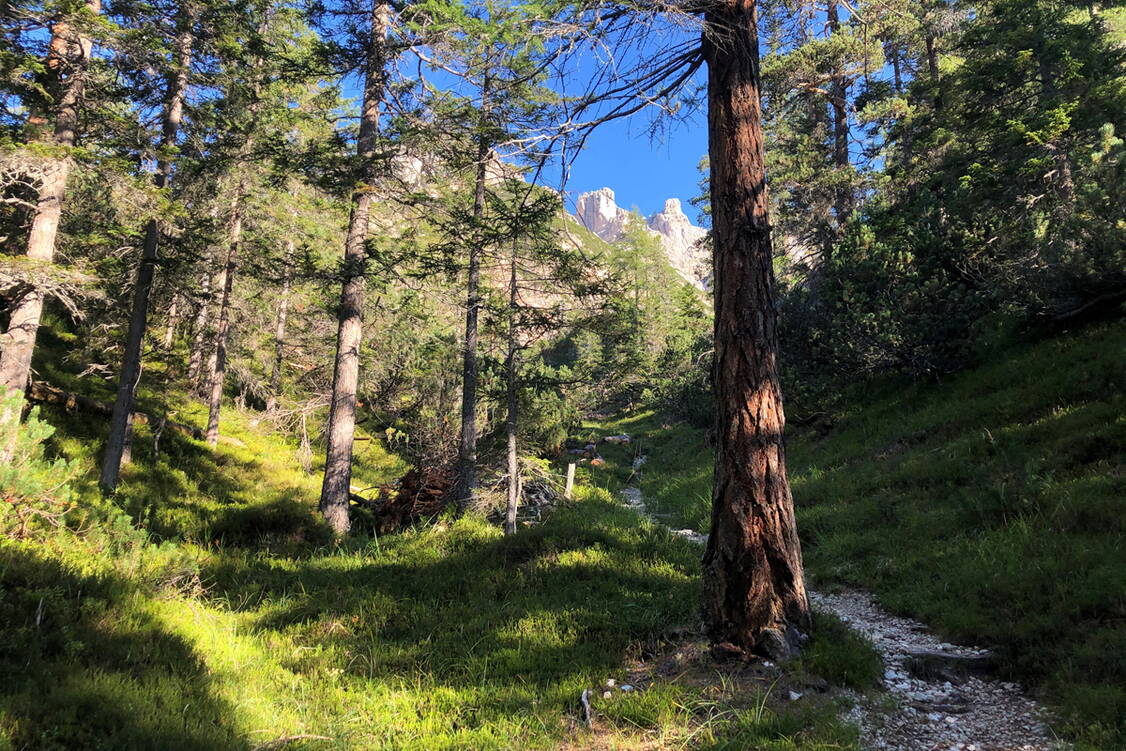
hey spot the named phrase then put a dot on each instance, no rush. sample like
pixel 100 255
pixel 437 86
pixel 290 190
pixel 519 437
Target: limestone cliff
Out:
pixel 599 212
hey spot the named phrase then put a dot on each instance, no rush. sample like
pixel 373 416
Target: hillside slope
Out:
pixel 991 506
pixel 205 607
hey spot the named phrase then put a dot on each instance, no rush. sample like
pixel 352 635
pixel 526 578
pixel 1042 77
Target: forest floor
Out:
pixel 989 507
pixel 205 607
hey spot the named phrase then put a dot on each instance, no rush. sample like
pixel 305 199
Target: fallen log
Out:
pixel 41 392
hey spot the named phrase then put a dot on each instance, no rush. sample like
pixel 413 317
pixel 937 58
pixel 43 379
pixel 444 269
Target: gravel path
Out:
pixel 944 700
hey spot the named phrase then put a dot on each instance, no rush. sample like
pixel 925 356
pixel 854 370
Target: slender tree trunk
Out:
pixel 172 322
pixel 932 65
pixel 896 67
pixel 121 423
pixel 467 447
pixel 346 373
pixel 841 134
pixel 218 372
pixel 279 329
pixel 1064 178
pixel 199 332
pixel 67 60
pixel 754 588
pixel 511 397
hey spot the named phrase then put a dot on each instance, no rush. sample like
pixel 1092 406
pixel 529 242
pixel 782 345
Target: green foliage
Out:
pixel 988 506
pixel 841 655
pixel 34 489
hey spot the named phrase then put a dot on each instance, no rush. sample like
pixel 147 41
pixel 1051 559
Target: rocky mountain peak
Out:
pixel 599 212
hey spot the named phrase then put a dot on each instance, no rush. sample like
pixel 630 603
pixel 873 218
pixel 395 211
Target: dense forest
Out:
pixel 331 419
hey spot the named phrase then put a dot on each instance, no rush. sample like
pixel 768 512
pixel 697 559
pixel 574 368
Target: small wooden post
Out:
pixel 570 481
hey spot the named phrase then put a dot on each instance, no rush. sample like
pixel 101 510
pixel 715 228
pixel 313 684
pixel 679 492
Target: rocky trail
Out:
pixel 944 696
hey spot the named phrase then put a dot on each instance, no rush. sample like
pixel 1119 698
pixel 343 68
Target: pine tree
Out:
pixel 67 60
pixel 177 89
pixel 336 488
pixel 755 597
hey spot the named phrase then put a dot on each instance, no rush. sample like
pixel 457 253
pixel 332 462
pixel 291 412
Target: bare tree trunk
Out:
pixel 67 60
pixel 121 422
pixel 199 332
pixel 279 329
pixel 511 394
pixel 896 67
pixel 754 598
pixel 218 371
pixel 346 374
pixel 467 448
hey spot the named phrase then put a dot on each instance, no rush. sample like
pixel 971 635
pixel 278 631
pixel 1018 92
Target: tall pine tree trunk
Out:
pixel 218 371
pixel 346 373
pixel 279 330
pixel 511 394
pixel 172 323
pixel 754 588
pixel 932 66
pixel 121 423
pixel 841 134
pixel 467 446
pixel 67 60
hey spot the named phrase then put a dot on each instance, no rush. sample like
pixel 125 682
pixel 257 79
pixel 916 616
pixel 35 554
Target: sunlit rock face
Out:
pixel 681 241
pixel 599 212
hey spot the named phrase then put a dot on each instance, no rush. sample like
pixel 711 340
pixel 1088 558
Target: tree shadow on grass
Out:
pixel 512 626
pixel 87 668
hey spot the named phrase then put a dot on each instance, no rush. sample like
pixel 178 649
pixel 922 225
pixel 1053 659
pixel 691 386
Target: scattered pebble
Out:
pixel 971 714
pixel 991 715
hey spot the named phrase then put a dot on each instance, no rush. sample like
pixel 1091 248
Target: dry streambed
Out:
pixel 943 697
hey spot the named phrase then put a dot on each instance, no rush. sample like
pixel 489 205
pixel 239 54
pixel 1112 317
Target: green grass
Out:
pixel 205 607
pixel 991 506
pixel 676 478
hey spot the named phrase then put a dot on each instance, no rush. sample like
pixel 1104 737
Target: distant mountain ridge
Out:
pixel 599 212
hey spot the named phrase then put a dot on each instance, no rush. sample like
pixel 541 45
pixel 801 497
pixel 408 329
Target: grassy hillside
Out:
pixel 992 506
pixel 204 607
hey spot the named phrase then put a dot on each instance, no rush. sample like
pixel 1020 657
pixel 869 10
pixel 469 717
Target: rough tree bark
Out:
pixel 346 373
pixel 279 329
pixel 67 61
pixel 754 588
pixel 467 446
pixel 121 423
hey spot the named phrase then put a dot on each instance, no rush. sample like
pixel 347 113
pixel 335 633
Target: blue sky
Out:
pixel 642 171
